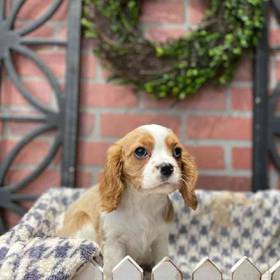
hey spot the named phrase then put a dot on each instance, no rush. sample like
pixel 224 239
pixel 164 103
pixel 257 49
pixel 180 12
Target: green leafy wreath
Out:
pixel 179 67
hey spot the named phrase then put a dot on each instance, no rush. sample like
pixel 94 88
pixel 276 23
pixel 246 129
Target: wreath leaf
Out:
pixel 179 67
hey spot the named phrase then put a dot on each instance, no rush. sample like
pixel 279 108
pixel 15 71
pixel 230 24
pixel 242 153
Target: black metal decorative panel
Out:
pixel 266 122
pixel 62 120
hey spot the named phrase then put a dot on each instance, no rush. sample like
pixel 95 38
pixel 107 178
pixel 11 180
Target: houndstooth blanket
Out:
pixel 29 251
pixel 225 227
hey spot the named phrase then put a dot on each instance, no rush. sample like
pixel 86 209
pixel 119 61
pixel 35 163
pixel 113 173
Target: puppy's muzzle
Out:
pixel 166 170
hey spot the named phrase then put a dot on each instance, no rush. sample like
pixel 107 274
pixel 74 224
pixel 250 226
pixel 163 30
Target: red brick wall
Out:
pixel 215 124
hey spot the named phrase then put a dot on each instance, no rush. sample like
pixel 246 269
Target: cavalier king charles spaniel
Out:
pixel 129 212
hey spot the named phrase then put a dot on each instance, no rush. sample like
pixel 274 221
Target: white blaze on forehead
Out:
pixel 160 151
pixel 160 154
pixel 158 132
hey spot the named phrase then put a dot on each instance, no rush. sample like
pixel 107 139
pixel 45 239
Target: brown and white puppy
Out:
pixel 128 212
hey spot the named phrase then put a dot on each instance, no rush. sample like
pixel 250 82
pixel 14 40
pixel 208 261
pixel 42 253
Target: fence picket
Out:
pixel 245 270
pixel 166 270
pixel 206 270
pixel 273 273
pixel 89 272
pixel 127 267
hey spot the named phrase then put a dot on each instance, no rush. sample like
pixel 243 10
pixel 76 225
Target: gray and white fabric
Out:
pixel 29 251
pixel 225 227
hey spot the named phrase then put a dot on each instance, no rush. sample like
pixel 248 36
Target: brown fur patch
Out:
pixel 122 167
pixel 111 184
pixel 85 210
pixel 133 167
pixel 189 173
pixel 172 141
pixel 188 169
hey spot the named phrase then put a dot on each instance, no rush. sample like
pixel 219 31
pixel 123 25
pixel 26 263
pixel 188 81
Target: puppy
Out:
pixel 128 212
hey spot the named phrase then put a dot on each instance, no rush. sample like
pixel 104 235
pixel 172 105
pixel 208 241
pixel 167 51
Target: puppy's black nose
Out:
pixel 166 169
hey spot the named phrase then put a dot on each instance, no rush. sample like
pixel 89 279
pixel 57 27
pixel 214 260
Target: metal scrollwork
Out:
pixel 62 120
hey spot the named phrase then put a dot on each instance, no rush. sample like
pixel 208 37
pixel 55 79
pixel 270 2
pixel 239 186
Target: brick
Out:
pixel 164 34
pixel 34 9
pixel 88 66
pixel 214 127
pixel 241 99
pixel 229 183
pixel 32 153
pixel 84 179
pixel 62 12
pixel 244 71
pixel 45 30
pixel 61 33
pixel 208 157
pixel 242 158
pixel 54 60
pixel 119 124
pixel 57 159
pixel 196 10
pixel 16 129
pixel 152 103
pixel 274 37
pixel 107 95
pixel 86 126
pixel 20 129
pixel 171 11
pixel 208 98
pixel 40 90
pixel 92 153
pixel 46 180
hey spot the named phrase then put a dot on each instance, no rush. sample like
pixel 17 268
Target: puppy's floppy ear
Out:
pixel 189 176
pixel 111 186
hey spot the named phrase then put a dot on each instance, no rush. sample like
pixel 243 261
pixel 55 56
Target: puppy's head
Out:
pixel 150 159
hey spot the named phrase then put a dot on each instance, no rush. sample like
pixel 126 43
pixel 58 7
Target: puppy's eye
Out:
pixel 177 152
pixel 141 153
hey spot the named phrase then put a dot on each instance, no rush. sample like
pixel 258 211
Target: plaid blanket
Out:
pixel 225 227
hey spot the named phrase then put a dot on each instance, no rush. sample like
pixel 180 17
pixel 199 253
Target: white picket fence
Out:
pixel 128 269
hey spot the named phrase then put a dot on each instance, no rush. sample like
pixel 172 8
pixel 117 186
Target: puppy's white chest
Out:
pixel 144 229
pixel 136 227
